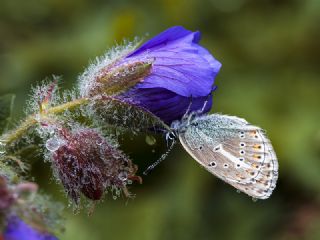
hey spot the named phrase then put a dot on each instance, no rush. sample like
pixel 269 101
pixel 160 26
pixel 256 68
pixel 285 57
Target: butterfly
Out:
pixel 230 148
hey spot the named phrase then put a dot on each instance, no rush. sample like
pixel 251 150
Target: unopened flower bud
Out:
pixel 87 163
pixel 117 78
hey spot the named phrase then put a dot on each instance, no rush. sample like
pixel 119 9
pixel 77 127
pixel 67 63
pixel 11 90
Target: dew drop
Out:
pixel 99 142
pixel 2 148
pixel 118 192
pixel 123 176
pixel 150 140
pixel 254 199
pixel 114 197
pixel 238 191
pixel 116 74
pixel 54 143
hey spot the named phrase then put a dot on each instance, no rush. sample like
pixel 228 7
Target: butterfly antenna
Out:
pixel 163 156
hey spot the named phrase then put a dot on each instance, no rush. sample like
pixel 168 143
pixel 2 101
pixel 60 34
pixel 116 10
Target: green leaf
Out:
pixel 6 105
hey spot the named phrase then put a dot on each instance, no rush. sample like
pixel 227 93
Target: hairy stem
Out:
pixel 33 119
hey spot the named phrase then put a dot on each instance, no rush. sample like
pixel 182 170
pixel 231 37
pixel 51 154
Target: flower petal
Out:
pixel 166 104
pixel 18 230
pixel 168 35
pixel 179 63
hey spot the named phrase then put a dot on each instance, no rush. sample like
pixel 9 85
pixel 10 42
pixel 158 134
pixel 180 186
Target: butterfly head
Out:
pixel 180 126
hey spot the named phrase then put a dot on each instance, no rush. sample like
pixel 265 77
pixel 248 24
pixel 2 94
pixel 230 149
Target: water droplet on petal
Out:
pixel 54 143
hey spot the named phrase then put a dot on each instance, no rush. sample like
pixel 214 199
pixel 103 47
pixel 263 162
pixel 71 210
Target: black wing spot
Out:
pixel 212 164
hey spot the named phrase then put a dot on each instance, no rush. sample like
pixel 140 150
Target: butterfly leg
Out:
pixel 186 114
pixel 205 103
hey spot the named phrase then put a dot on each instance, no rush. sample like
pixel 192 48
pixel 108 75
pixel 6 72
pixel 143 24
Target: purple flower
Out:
pixel 17 229
pixel 164 75
pixel 182 71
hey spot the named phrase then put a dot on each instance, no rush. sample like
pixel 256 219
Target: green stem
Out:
pixel 32 119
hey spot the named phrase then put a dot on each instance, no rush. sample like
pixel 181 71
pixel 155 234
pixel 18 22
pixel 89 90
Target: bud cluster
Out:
pixel 87 163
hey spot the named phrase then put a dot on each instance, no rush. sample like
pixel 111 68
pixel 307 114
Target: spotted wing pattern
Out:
pixel 234 151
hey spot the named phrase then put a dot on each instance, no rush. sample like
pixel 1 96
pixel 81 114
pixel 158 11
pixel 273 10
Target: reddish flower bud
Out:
pixel 87 163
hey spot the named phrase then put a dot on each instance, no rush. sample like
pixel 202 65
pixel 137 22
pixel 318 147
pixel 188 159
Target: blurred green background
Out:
pixel 270 53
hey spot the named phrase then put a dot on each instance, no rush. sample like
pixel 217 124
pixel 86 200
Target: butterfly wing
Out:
pixel 234 151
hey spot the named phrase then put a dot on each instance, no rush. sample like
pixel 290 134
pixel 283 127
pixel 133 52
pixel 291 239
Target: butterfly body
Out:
pixel 232 149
